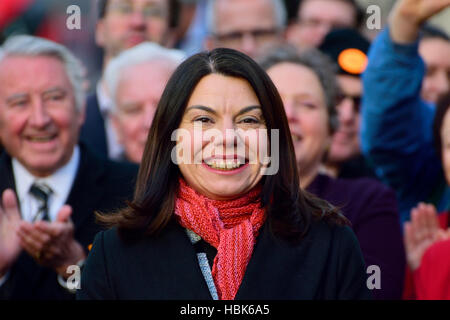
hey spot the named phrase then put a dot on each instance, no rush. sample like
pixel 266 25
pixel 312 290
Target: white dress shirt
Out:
pixel 60 182
pixel 115 150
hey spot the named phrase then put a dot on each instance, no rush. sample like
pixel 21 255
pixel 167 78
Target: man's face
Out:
pixel 39 122
pixel 445 145
pixel 138 94
pixel 129 22
pixel 435 53
pixel 346 143
pixel 316 18
pixel 248 26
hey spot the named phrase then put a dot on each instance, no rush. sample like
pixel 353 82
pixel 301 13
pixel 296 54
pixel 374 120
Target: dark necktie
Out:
pixel 41 192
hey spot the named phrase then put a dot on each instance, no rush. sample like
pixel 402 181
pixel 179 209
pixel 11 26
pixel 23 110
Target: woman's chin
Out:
pixel 226 191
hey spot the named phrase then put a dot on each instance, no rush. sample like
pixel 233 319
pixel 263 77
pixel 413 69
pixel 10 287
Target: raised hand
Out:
pixel 421 232
pixel 9 223
pixel 408 15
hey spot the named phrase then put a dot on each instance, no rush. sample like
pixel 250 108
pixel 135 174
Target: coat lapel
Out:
pixel 84 194
pixel 6 173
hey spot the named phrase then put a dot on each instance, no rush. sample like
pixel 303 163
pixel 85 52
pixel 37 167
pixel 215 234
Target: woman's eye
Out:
pixel 249 120
pixel 308 105
pixel 203 120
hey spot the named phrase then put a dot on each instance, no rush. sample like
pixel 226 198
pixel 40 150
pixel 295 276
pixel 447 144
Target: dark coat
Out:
pixel 93 132
pixel 372 209
pixel 99 185
pixel 327 264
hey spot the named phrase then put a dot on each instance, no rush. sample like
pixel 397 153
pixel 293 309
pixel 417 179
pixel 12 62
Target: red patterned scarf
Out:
pixel 229 226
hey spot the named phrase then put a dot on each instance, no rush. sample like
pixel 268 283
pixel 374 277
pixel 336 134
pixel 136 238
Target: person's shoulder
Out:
pixel 113 169
pixel 122 167
pixel 110 238
pixel 364 187
pixel 110 242
pixel 326 229
pixel 130 239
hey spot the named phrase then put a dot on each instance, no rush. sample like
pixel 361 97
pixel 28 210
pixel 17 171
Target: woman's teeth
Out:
pixel 41 139
pixel 224 164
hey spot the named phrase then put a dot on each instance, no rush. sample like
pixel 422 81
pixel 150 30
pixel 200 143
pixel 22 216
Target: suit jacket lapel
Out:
pixel 6 173
pixel 81 197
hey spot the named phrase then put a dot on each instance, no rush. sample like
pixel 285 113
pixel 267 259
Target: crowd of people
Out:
pixel 231 149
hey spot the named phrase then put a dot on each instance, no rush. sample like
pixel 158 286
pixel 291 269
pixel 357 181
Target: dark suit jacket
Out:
pixel 327 264
pixel 99 185
pixel 93 132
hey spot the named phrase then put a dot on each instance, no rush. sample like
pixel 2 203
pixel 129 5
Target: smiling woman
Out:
pixel 216 226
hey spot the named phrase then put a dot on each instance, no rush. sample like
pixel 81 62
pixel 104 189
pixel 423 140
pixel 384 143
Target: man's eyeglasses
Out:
pixel 236 37
pixel 355 99
pixel 317 23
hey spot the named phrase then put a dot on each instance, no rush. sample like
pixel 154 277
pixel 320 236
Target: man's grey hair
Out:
pixel 142 53
pixel 25 45
pixel 279 11
pixel 322 66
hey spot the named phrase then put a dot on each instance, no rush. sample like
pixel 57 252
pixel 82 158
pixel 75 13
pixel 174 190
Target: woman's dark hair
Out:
pixel 290 210
pixel 442 106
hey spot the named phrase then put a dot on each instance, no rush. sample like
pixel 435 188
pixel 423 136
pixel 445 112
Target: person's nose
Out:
pixel 441 82
pixel 289 110
pixel 137 20
pixel 229 136
pixel 39 117
pixel 248 44
pixel 346 111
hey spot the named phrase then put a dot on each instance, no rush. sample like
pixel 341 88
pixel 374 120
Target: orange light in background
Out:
pixel 353 61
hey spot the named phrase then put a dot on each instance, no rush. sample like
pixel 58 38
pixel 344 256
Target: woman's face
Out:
pixel 445 147
pixel 304 103
pixel 220 138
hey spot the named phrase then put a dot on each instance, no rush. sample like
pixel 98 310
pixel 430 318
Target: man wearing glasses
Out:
pixel 249 26
pixel 122 24
pixel 316 18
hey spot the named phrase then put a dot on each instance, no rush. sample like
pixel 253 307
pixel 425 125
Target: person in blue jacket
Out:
pixel 396 128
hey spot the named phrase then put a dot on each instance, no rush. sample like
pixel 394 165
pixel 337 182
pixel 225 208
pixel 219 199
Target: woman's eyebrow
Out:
pixel 204 108
pixel 247 109
pixel 210 110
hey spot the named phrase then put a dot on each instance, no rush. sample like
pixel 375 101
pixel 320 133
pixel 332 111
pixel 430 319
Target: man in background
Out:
pixel 136 79
pixel 434 48
pixel 122 24
pixel 316 18
pixel 249 26
pixel 50 184
pixel 348 49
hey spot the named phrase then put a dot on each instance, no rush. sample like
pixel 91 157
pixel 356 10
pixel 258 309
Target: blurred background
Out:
pixel 47 18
